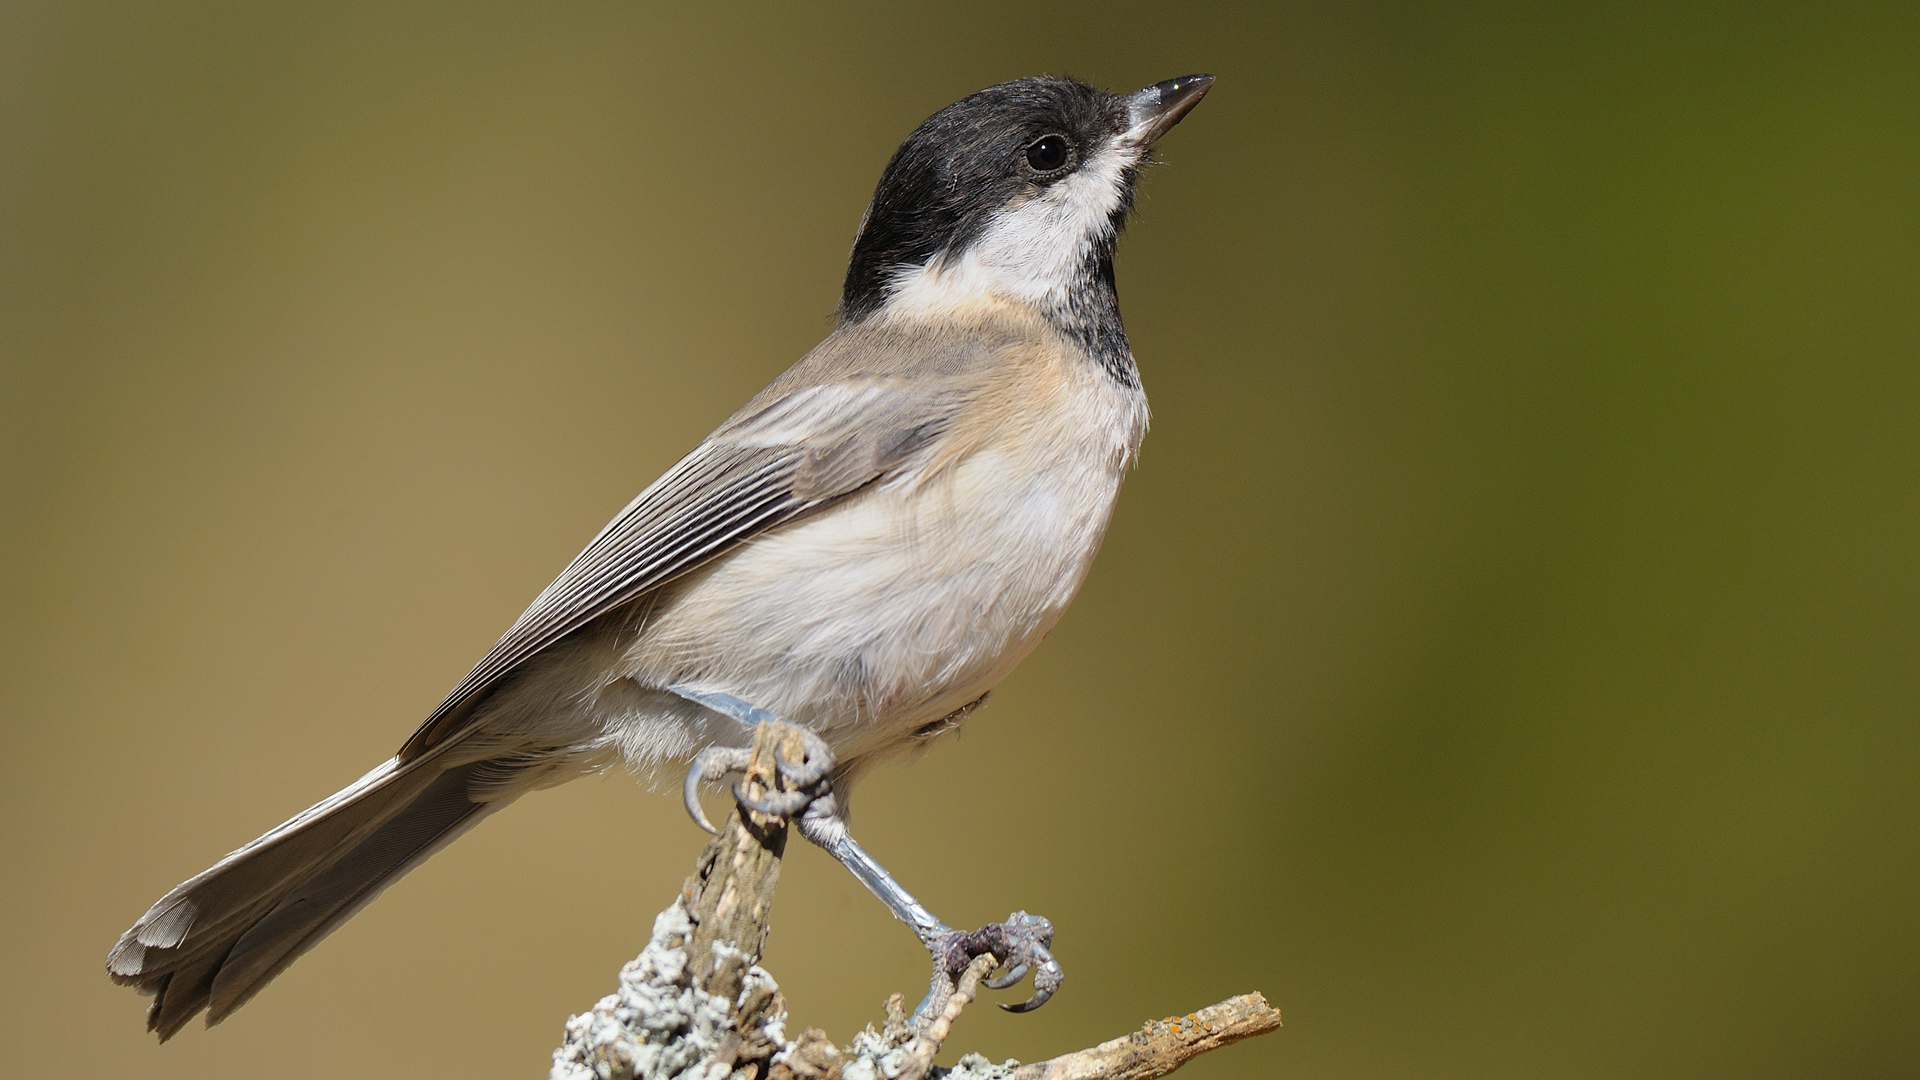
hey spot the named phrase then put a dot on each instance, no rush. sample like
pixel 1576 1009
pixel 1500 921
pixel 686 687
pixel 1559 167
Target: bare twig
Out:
pixel 1162 1045
pixel 924 1046
pixel 696 1005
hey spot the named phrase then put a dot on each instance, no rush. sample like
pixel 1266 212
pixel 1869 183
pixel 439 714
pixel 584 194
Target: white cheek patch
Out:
pixel 1032 252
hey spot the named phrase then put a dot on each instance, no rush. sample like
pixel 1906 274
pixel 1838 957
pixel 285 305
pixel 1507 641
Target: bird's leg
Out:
pixel 1021 944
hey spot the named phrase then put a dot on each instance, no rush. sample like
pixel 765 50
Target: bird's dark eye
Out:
pixel 1047 154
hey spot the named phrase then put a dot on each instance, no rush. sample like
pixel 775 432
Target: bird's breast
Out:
pixel 915 597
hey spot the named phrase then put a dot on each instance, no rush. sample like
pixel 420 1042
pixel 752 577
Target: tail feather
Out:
pixel 217 939
pixel 434 819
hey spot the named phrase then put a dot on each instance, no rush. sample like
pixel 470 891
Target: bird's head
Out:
pixel 1015 193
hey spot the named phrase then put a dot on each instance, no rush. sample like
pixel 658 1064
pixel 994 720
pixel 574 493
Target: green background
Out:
pixel 1506 656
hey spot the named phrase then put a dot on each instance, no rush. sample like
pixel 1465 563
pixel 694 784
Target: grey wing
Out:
pixel 774 463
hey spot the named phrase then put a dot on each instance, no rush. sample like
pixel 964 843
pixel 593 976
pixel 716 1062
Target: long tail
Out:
pixel 216 940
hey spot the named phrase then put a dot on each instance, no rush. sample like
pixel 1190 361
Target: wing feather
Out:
pixel 774 463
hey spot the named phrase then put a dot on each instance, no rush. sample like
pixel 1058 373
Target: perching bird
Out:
pixel 865 550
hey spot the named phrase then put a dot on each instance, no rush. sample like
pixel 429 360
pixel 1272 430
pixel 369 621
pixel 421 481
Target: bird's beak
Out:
pixel 1153 112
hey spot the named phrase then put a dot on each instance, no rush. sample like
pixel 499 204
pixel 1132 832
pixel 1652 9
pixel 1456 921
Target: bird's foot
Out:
pixel 1022 943
pixel 808 785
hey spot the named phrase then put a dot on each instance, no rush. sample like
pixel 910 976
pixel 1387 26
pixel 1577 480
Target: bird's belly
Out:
pixel 895 608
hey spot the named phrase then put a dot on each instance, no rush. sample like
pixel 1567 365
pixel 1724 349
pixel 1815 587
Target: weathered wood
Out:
pixel 1161 1046
pixel 731 891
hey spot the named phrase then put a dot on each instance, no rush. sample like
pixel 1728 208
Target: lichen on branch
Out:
pixel 696 1005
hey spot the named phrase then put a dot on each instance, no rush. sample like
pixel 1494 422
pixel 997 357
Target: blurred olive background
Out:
pixel 1505 657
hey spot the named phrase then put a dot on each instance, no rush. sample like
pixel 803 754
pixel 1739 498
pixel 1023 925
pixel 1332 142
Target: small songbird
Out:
pixel 864 550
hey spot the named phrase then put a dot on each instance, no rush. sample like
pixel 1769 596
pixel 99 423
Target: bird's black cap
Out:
pixel 989 150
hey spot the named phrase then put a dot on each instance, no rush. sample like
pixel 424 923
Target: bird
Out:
pixel 864 550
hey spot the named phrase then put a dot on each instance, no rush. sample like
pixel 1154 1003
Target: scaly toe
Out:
pixel 1046 980
pixel 1011 977
pixel 815 762
pixel 778 803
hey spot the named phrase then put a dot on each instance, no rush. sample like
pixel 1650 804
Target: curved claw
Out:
pixel 691 793
pixel 1046 981
pixel 777 803
pixel 1001 982
pixel 1039 998
pixel 710 764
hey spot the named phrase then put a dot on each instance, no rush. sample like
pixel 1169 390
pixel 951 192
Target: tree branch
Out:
pixel 696 1005
pixel 1162 1045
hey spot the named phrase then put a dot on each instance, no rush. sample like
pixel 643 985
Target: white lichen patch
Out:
pixel 658 1025
pixel 887 1055
pixel 874 1057
pixel 976 1067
